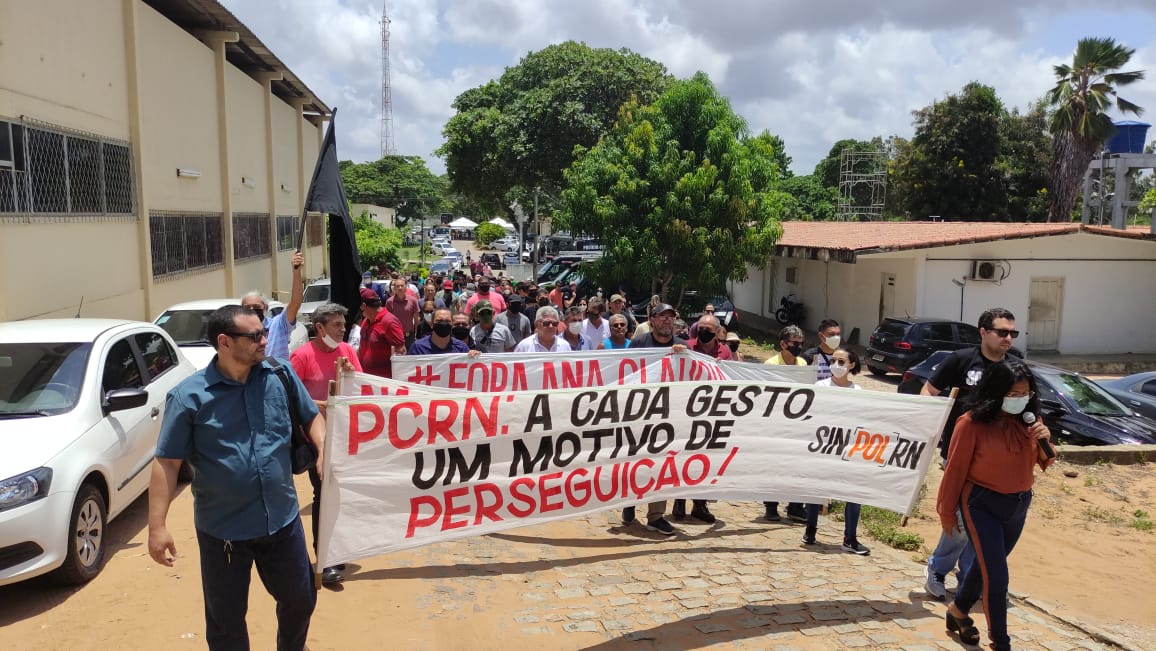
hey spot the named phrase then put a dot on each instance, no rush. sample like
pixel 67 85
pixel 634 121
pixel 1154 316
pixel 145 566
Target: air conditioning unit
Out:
pixel 988 270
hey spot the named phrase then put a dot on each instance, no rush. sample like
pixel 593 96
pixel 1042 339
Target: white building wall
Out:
pixel 1109 299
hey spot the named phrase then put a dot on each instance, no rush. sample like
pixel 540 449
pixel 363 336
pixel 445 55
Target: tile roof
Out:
pixel 849 239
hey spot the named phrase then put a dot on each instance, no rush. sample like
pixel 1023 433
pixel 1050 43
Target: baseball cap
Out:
pixel 514 298
pixel 483 306
pixel 616 297
pixel 733 336
pixel 447 284
pixel 663 307
pixel 369 297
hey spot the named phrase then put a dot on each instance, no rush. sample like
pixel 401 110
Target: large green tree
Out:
pixel 1080 124
pixel 679 193
pixel 813 201
pixel 376 244
pixel 400 182
pixel 519 132
pixel 951 171
pixel 1024 161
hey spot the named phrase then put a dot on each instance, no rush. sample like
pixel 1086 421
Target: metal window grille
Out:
pixel 185 241
pixel 286 231
pixel 313 229
pixel 50 170
pixel 251 236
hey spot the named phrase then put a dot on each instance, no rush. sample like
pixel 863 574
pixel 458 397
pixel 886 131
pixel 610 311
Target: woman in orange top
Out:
pixel 989 477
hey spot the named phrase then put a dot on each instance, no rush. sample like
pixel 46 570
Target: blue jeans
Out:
pixel 283 565
pixel 850 518
pixel 950 550
pixel 994 523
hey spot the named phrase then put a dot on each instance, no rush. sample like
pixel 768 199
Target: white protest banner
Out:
pixel 352 383
pixel 768 372
pixel 536 371
pixel 406 471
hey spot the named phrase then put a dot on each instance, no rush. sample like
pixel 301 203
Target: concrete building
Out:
pixel 380 214
pixel 1074 289
pixel 151 152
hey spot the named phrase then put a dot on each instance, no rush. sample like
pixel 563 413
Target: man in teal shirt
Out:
pixel 231 422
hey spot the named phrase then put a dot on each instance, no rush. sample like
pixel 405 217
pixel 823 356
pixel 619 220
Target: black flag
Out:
pixel 327 195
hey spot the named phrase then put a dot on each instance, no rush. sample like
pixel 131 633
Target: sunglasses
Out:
pixel 548 323
pixel 1004 332
pixel 256 337
pixel 617 325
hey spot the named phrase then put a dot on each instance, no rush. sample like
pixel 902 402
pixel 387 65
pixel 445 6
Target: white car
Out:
pixel 81 403
pixel 187 324
pixel 316 295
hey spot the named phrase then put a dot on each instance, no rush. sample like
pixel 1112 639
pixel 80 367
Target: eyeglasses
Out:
pixel 548 323
pixel 708 311
pixel 1004 332
pixel 255 336
pixel 617 325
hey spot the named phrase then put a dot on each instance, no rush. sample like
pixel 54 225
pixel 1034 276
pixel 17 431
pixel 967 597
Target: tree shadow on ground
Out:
pixel 765 621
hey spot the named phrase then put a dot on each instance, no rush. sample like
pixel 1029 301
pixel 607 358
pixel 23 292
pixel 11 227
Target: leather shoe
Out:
pixel 331 575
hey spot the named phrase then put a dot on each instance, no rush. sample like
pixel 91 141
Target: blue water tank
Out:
pixel 1130 137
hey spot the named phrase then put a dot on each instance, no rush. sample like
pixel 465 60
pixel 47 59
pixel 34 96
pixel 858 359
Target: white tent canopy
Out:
pixel 501 222
pixel 463 223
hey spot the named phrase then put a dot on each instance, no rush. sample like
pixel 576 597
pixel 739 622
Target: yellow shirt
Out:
pixel 777 360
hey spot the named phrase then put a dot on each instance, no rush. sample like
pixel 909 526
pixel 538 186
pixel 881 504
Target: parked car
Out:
pixel 316 294
pixel 492 259
pixel 1138 391
pixel 691 306
pixel 553 269
pixel 455 257
pixel 1080 412
pixel 915 377
pixel 1077 410
pixel 441 250
pixel 81 402
pixel 506 244
pixel 187 324
pixel 898 343
pixel 511 257
pixel 445 267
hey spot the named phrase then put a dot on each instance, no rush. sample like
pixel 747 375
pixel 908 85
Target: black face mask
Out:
pixel 795 349
pixel 461 332
pixel 514 307
pixel 705 336
pixel 543 302
pixel 442 329
pixel 734 346
pixel 483 288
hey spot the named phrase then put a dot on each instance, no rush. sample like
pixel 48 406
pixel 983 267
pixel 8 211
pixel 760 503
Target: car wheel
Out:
pixel 875 370
pixel 86 538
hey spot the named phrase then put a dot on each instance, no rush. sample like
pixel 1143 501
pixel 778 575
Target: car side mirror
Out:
pixel 1052 405
pixel 121 399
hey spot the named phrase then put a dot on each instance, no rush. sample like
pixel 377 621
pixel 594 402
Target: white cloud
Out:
pixel 811 72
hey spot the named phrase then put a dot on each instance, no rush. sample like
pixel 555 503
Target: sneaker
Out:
pixel 934 585
pixel 628 515
pixel 702 513
pixel 679 509
pixel 809 536
pixel 772 514
pixel 796 513
pixel 854 547
pixel 660 525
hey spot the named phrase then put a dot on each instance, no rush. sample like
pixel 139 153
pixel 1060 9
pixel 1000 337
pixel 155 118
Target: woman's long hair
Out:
pixel 987 402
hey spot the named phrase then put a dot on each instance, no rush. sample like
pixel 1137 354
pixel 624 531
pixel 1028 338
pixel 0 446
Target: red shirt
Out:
pixel 404 310
pixel 317 367
pixel 378 339
pixel 721 350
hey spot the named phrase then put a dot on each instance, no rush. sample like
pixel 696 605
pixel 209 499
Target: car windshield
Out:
pixel 41 379
pixel 554 270
pixel 1088 396
pixel 316 294
pixel 186 327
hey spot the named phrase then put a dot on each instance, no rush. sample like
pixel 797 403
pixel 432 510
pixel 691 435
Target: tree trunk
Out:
pixel 1070 158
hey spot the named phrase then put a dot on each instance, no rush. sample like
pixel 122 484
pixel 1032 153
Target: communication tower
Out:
pixel 862 185
pixel 387 148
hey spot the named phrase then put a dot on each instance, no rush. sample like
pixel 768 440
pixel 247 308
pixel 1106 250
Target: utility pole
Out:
pixel 537 237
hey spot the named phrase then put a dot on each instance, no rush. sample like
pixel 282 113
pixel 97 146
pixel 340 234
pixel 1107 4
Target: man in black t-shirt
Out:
pixel 661 335
pixel 962 369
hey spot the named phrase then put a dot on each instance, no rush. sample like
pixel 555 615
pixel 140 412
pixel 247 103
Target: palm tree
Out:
pixel 1084 91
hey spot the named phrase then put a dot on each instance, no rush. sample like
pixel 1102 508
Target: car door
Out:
pixel 161 374
pixel 938 336
pixel 121 369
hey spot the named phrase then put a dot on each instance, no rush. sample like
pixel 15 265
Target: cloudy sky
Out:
pixel 812 72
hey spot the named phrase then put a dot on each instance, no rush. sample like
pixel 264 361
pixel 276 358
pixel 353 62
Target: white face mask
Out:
pixel 833 342
pixel 1015 405
pixel 838 370
pixel 575 327
pixel 329 342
